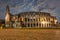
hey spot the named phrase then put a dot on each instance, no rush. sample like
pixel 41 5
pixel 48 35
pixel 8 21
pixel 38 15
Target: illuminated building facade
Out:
pixel 30 20
pixel 7 17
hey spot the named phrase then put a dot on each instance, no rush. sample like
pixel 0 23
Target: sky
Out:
pixel 17 6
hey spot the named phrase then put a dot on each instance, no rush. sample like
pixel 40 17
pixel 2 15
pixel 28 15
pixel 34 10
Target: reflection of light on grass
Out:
pixel 44 22
pixel 57 33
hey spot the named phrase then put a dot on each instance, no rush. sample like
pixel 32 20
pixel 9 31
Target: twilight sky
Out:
pixel 17 6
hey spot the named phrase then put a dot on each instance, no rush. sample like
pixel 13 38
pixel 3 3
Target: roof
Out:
pixel 32 13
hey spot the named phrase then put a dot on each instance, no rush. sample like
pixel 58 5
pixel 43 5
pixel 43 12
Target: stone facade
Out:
pixel 31 20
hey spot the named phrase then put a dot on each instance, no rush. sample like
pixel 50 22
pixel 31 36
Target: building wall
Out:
pixel 35 20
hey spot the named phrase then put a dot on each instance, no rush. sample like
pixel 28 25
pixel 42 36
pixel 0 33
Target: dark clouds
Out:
pixel 17 6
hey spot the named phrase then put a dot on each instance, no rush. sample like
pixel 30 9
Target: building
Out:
pixel 2 23
pixel 30 20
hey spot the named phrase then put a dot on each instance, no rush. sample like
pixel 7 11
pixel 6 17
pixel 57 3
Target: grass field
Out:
pixel 29 34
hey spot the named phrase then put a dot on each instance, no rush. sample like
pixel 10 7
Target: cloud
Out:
pixel 17 6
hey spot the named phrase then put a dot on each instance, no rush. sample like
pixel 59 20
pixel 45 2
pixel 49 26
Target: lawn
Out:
pixel 30 34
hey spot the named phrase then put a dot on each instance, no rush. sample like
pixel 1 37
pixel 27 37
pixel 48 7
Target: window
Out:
pixel 37 24
pixel 28 19
pixel 34 25
pixel 25 19
pixel 31 25
pixel 28 25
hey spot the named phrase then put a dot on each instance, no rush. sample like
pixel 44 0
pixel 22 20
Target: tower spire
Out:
pixel 7 9
pixel 7 17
